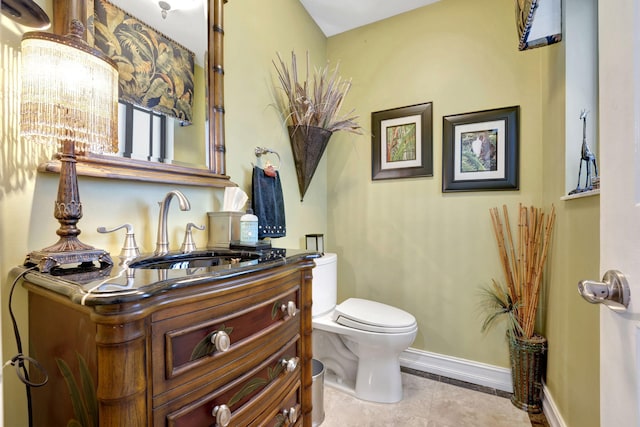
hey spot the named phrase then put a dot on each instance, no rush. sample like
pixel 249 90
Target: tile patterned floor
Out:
pixel 429 402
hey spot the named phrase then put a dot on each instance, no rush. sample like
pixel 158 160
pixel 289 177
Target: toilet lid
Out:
pixel 373 316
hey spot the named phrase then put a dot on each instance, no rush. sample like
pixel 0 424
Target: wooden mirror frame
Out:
pixel 105 166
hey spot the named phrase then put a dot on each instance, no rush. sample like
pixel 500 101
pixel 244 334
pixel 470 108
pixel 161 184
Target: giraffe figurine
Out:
pixel 587 156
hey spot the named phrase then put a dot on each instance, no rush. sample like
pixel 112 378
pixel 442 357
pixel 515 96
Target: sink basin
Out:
pixel 193 260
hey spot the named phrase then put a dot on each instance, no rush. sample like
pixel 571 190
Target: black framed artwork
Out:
pixel 402 142
pixel 480 150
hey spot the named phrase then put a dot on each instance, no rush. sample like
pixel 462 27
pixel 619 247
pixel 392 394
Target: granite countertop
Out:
pixel 121 283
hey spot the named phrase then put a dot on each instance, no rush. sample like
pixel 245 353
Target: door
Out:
pixel 619 92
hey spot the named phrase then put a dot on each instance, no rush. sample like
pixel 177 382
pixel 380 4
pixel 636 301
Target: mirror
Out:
pixel 198 148
pixel 164 117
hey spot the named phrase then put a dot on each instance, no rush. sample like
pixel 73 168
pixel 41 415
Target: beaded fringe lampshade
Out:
pixel 68 93
pixel 69 98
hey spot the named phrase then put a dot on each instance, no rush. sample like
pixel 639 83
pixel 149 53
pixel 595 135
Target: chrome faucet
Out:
pixel 162 244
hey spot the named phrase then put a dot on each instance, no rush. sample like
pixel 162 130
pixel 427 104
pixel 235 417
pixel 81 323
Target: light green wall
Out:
pixel 255 31
pixel 406 243
pixel 570 324
pixel 403 242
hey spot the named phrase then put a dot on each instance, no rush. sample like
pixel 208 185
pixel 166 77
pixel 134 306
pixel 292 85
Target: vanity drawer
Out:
pixel 185 356
pixel 286 411
pixel 253 393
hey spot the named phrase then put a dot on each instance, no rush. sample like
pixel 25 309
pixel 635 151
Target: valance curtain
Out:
pixel 155 72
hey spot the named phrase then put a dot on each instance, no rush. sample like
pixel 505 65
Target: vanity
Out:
pixel 210 339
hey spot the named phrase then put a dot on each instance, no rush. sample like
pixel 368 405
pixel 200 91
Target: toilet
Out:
pixel 358 341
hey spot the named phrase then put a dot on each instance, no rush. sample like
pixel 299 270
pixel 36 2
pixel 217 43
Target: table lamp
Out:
pixel 69 99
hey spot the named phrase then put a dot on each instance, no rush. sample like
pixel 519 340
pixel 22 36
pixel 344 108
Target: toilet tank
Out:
pixel 325 284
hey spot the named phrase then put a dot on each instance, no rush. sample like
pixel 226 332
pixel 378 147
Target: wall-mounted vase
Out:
pixel 308 144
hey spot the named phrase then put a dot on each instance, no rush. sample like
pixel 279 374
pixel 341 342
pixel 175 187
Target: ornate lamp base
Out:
pixel 60 254
pixel 68 211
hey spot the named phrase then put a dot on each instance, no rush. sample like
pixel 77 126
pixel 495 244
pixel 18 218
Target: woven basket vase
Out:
pixel 528 364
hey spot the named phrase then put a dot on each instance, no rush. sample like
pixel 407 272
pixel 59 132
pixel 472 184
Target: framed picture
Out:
pixel 402 142
pixel 480 150
pixel 539 23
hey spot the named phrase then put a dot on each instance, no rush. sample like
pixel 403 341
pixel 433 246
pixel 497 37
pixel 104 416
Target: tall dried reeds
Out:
pixel 316 102
pixel 522 261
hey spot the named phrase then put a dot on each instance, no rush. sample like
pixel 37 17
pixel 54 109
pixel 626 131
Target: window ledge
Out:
pixel 590 193
pixel 106 166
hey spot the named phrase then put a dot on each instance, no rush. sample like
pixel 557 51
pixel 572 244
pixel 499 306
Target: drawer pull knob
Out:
pixel 289 308
pixel 222 413
pixel 290 414
pixel 291 364
pixel 221 340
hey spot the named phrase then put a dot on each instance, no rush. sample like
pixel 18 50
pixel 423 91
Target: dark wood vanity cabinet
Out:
pixel 238 346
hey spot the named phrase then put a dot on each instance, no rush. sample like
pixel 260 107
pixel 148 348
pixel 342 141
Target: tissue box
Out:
pixel 223 228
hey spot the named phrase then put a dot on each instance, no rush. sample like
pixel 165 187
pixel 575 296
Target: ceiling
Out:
pixel 337 16
pixel 332 16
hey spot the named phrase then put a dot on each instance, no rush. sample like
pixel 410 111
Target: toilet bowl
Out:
pixel 359 341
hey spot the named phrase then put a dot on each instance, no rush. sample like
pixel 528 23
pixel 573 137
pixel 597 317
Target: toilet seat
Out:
pixel 373 316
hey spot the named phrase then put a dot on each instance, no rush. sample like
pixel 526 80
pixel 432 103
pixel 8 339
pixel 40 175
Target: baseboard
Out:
pixel 457 368
pixel 475 373
pixel 550 409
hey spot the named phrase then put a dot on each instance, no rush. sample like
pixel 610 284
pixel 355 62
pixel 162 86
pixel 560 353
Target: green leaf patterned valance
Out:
pixel 155 71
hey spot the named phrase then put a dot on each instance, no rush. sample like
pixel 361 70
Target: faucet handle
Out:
pixel 188 245
pixel 129 248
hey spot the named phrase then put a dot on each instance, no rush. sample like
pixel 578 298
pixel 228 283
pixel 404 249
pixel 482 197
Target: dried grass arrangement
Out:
pixel 316 102
pixel 523 263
